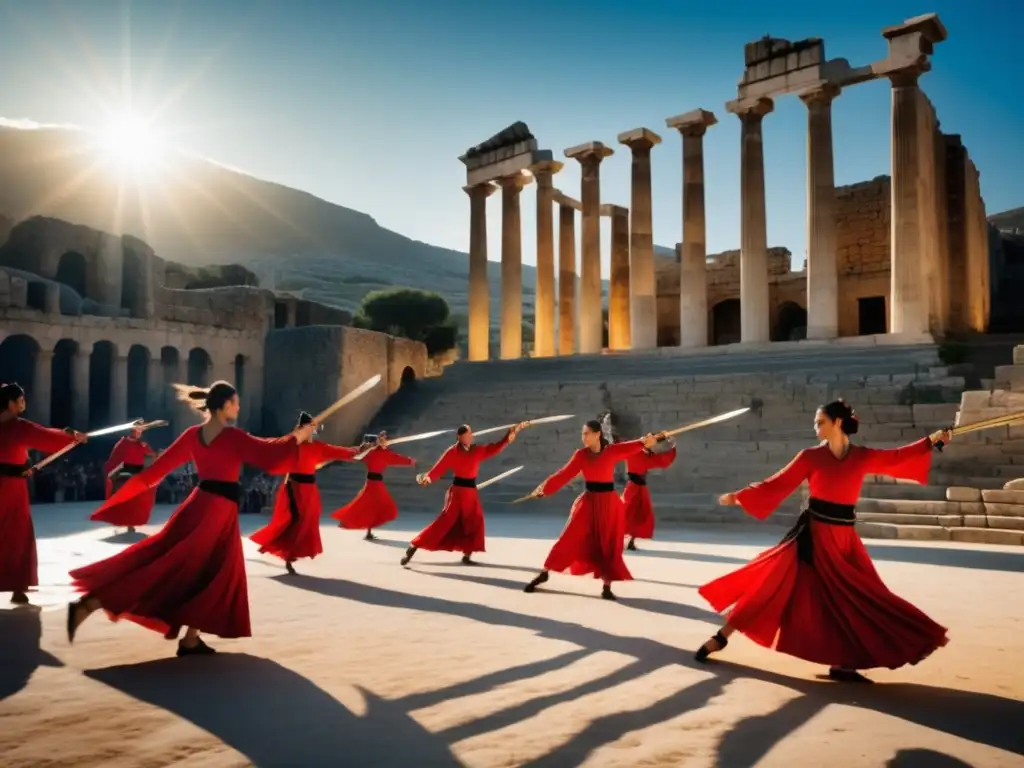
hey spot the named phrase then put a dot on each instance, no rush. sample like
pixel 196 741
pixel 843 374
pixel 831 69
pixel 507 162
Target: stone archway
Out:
pixel 408 378
pixel 19 355
pixel 101 378
pixel 73 271
pixel 138 382
pixel 199 367
pixel 62 385
pixel 725 322
pixel 790 322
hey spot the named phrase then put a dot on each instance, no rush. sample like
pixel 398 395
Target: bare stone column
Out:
pixel 479 288
pixel 42 387
pixel 511 267
pixel 119 389
pixel 643 290
pixel 80 365
pixel 620 321
pixel 692 255
pixel 822 269
pixel 909 312
pixel 566 279
pixel 544 308
pixel 755 312
pixel 591 321
pixel 155 387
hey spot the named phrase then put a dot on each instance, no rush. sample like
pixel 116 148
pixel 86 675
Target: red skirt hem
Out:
pixel 639 511
pixel 459 527
pixel 288 538
pixel 131 513
pixel 371 508
pixel 19 563
pixel 591 542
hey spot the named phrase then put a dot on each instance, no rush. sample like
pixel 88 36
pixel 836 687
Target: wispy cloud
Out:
pixel 24 124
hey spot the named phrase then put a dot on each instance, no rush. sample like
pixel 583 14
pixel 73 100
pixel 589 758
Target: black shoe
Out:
pixel 290 568
pixel 703 652
pixel 408 555
pixel 540 579
pixel 467 560
pixel 847 676
pixel 632 545
pixel 131 529
pixel 19 598
pixel 607 594
pixel 199 649
pixel 369 536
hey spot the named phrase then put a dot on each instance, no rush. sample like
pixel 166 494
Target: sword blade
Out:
pixel 98 433
pixel 154 424
pixel 117 428
pixel 707 422
pixel 400 440
pixel 362 389
pixel 995 421
pixel 530 423
pixel 496 478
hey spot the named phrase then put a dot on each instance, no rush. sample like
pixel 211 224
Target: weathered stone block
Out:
pixel 959 493
pixel 987 536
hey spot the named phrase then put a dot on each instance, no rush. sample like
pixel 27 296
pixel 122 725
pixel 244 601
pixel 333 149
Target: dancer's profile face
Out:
pixel 136 434
pixel 589 437
pixel 824 427
pixel 230 409
pixel 466 438
pixel 17 407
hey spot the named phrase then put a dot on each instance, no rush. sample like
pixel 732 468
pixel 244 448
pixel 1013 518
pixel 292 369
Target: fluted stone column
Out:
pixel 479 288
pixel 511 267
pixel 642 283
pixel 822 267
pixel 119 389
pixel 42 387
pixel 909 311
pixel 80 363
pixel 620 321
pixel 755 312
pixel 544 308
pixel 692 252
pixel 591 322
pixel 566 279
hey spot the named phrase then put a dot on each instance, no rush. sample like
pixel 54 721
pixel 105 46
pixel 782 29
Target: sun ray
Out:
pixel 39 207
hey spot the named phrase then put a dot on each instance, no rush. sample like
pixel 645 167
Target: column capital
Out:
pixel 907 77
pixel 751 110
pixel 639 139
pixel 592 150
pixel 693 123
pixel 819 95
pixel 84 349
pixel 516 181
pixel 484 190
pixel 544 170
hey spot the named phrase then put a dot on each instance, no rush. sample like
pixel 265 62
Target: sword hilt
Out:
pixel 939 443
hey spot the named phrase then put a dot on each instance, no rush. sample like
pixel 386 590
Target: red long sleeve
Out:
pixel 759 500
pixel 561 478
pixel 908 462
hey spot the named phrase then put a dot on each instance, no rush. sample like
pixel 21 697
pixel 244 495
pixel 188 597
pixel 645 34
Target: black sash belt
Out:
pixel 636 479
pixel 824 512
pixel 464 482
pixel 305 479
pixel 132 469
pixel 13 470
pixel 374 476
pixel 223 488
pixel 600 487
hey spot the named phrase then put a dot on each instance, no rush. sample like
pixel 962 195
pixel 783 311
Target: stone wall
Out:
pixel 238 308
pixel 862 248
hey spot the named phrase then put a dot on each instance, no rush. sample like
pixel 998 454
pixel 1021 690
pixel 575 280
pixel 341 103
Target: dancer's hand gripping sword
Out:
pixel 399 440
pixel 98 433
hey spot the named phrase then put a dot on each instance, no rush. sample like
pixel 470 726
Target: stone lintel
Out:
pixel 498 154
pixel 486 189
pixel 516 180
pixel 563 199
pixel 546 168
pixel 581 151
pixel 610 209
pixel 639 136
pixel 784 83
pixel 822 93
pixel 696 121
pixel 508 166
pixel 927 25
pixel 758 107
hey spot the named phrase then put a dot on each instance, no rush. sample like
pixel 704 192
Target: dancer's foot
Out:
pixel 468 560
pixel 198 648
pixel 607 594
pixel 538 580
pixel 632 544
pixel 715 644
pixel 408 555
pixel 847 676
pixel 78 612
pixel 131 529
pixel 290 568
pixel 369 536
pixel 19 598
pixel 172 633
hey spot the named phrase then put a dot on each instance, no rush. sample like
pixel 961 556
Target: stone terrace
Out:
pixel 651 391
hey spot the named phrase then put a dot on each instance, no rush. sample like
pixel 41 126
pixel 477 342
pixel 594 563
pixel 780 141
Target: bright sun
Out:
pixel 131 143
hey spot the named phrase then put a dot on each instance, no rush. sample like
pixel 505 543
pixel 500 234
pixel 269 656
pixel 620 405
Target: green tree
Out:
pixel 412 313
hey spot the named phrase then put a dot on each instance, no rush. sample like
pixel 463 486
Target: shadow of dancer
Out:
pixel 925 758
pixel 21 631
pixel 276 717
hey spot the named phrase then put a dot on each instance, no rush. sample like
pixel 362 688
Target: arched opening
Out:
pixel 18 362
pixel 408 377
pixel 280 315
pixel 62 395
pixel 101 369
pixel 132 276
pixel 199 365
pixel 240 375
pixel 725 322
pixel 35 297
pixel 790 323
pixel 138 383
pixel 72 270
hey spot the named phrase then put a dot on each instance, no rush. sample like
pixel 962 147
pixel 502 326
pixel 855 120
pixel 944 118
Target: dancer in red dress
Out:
pixel 192 573
pixel 130 452
pixel 373 506
pixel 816 595
pixel 294 528
pixel 636 497
pixel 18 564
pixel 460 526
pixel 592 539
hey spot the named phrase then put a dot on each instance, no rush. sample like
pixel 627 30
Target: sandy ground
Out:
pixel 360 662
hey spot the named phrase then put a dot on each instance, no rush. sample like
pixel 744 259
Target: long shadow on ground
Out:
pixel 21 631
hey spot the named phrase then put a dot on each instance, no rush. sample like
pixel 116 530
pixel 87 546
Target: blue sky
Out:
pixel 369 104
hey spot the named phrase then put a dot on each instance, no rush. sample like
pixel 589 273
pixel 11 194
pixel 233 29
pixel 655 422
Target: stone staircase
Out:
pixel 984 500
pixel 901 392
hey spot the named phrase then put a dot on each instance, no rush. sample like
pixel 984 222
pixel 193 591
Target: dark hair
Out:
pixel 462 430
pixel 594 425
pixel 847 417
pixel 304 419
pixel 206 400
pixel 9 393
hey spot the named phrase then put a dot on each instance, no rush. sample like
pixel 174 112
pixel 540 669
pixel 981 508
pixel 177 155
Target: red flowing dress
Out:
pixel 816 595
pixel 294 528
pixel 373 506
pixel 136 511
pixel 18 563
pixel 592 539
pixel 191 573
pixel 460 526
pixel 636 497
